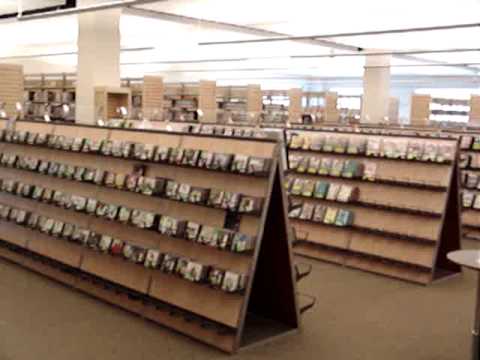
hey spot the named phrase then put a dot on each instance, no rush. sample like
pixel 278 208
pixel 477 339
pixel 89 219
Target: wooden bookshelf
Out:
pixel 264 309
pixel 405 220
pixel 275 106
pixel 47 94
pixel 239 104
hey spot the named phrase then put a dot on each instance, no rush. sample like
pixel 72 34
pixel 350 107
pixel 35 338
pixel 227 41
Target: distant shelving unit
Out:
pixel 426 109
pixel 46 94
pixel 280 106
pixel 239 104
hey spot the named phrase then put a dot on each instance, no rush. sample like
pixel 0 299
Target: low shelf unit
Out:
pixel 168 225
pixel 380 203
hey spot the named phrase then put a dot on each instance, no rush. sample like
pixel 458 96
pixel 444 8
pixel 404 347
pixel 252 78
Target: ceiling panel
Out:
pixel 306 17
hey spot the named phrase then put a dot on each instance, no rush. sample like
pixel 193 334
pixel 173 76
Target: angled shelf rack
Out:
pixel 395 201
pixel 228 296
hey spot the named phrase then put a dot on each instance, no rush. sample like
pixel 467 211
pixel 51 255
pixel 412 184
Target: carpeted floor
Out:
pixel 358 316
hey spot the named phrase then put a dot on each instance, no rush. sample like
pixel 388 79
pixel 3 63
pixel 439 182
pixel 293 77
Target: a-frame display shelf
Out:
pixel 215 310
pixel 402 216
pixel 469 163
pixel 469 140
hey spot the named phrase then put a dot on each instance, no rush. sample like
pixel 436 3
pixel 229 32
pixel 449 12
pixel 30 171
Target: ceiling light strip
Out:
pixel 22 57
pixel 173 62
pixel 86 9
pixel 347 34
pixel 387 53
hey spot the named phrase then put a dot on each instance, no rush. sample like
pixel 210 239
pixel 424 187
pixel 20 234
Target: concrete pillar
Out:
pixel 376 89
pixel 98 57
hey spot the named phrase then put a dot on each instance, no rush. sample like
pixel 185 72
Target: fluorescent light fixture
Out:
pixel 347 34
pixel 386 53
pixel 33 56
pixel 86 9
pixel 173 62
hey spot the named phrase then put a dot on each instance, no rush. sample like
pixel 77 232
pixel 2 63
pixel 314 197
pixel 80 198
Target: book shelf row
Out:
pixel 373 146
pixel 110 187
pixel 220 238
pixel 183 267
pixel 136 182
pixel 468 139
pixel 374 199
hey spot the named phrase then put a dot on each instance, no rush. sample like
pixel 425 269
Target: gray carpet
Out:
pixel 358 316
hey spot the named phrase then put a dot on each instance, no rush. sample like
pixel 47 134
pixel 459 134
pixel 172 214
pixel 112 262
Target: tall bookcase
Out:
pixel 226 318
pixel 239 104
pixel 47 94
pixel 405 213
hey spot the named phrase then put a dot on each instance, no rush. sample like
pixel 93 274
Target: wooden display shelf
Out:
pixel 384 181
pixel 375 205
pixel 418 131
pixel 370 230
pixel 404 222
pixel 203 310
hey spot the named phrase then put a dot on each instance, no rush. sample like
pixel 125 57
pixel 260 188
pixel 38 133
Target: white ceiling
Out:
pixel 174 41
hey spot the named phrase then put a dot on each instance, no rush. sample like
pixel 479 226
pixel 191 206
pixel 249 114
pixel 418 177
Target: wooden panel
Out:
pixel 113 297
pixel 295 105
pixel 331 111
pixel 58 249
pixel 420 109
pixel 85 132
pixel 230 146
pixel 16 201
pixel 207 100
pixel 14 234
pixel 471 217
pixel 41 128
pixel 474 110
pixel 50 272
pixel 11 86
pixel 327 235
pixel 250 225
pixel 171 140
pixel 152 96
pixel 389 269
pixel 12 256
pixel 254 98
pixel 389 248
pixel 226 342
pixel 215 305
pixel 117 270
pixel 317 252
